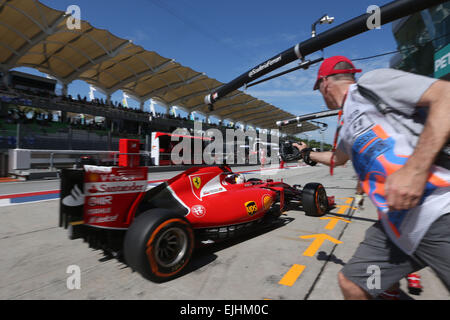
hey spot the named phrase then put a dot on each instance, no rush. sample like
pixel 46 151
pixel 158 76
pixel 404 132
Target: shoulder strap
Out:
pixel 443 159
pixel 378 102
pixel 372 97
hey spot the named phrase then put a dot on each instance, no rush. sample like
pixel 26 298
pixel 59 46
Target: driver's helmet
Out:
pixel 233 178
pixel 240 178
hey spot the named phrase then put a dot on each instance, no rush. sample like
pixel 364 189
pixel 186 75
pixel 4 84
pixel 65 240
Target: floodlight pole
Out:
pixel 322 20
pixel 321 130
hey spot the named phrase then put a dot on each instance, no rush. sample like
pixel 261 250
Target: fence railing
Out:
pixel 26 159
pixel 22 136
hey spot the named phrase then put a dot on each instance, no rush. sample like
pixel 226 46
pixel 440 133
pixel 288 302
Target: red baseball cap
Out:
pixel 327 68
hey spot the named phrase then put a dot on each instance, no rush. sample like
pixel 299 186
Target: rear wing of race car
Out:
pixel 100 196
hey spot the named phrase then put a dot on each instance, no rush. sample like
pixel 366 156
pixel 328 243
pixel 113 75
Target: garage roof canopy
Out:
pixel 36 36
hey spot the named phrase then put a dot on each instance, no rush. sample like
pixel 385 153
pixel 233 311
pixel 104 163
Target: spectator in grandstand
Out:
pixel 393 125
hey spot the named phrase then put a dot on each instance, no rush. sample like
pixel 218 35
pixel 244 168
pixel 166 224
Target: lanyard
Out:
pixel 336 135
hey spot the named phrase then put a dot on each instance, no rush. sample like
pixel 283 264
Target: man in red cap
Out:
pixel 394 126
pixel 335 65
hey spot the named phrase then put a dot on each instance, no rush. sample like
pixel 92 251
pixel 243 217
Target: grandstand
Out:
pixel 33 116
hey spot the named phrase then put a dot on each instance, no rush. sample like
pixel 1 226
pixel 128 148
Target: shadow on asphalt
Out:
pixel 352 217
pixel 323 256
pixel 205 254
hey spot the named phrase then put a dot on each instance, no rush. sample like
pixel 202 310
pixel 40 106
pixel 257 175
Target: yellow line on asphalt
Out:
pixel 318 241
pixel 343 208
pixel 75 223
pixel 292 275
pixel 333 222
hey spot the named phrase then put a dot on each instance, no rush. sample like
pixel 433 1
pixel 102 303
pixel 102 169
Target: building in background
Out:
pixel 424 41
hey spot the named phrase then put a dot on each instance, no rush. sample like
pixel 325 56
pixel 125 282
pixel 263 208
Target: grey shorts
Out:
pixel 378 264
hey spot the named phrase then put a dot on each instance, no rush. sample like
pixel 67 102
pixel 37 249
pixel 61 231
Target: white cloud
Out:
pixel 138 36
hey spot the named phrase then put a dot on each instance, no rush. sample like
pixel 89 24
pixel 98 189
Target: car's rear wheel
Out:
pixel 314 199
pixel 159 244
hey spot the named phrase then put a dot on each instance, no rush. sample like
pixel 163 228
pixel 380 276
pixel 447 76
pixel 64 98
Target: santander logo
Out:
pixel 116 187
pixel 93 189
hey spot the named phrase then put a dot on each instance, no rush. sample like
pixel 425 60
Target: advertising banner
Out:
pixel 442 63
pixel 109 194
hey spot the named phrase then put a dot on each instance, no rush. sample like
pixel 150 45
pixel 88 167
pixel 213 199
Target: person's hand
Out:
pixel 404 188
pixel 300 146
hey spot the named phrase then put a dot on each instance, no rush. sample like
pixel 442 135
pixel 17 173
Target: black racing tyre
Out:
pixel 74 232
pixel 314 199
pixel 158 244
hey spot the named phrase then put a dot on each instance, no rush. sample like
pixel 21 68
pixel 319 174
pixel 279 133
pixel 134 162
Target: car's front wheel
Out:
pixel 159 244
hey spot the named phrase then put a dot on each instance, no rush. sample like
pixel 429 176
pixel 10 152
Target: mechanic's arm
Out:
pixel 340 158
pixel 405 187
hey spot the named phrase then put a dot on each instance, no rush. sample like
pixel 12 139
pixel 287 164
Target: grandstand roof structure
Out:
pixel 34 35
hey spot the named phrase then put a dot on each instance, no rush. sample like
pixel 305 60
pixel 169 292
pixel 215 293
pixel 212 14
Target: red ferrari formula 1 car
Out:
pixel 157 229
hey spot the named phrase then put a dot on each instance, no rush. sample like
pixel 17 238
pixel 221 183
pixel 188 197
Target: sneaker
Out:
pixel 414 286
pixel 359 200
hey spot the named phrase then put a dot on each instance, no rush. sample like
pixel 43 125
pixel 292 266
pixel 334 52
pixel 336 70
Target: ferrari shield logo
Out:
pixel 251 207
pixel 196 186
pixel 197 182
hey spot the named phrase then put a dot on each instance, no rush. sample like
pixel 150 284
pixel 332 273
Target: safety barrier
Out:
pixel 26 159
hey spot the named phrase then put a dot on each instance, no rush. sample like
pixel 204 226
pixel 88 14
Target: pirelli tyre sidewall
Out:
pixel 159 244
pixel 314 199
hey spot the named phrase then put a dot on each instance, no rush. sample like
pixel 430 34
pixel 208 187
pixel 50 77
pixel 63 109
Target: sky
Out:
pixel 224 39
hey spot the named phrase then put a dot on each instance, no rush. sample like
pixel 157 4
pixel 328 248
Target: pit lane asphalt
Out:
pixel 35 253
